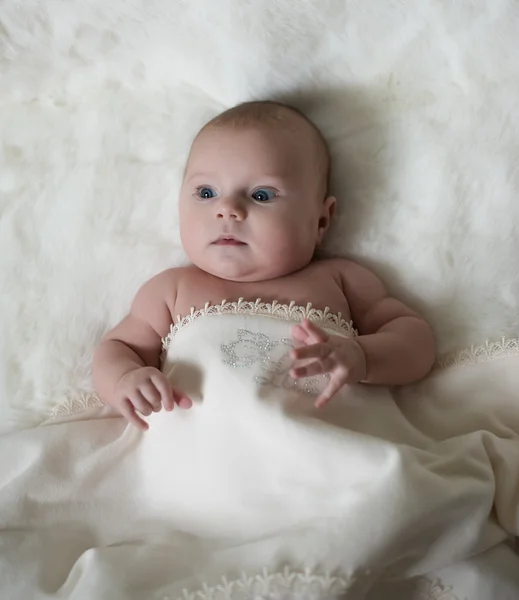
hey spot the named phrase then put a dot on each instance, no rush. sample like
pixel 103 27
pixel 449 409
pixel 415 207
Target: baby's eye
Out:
pixel 205 192
pixel 263 195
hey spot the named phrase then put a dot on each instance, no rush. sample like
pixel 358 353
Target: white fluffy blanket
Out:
pixel 98 104
pixel 99 101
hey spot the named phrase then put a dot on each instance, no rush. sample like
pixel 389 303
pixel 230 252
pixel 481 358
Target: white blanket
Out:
pixel 98 103
pixel 253 477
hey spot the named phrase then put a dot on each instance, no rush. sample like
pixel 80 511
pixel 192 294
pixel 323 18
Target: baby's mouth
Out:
pixel 228 240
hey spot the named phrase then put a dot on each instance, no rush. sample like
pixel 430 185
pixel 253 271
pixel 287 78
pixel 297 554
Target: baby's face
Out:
pixel 251 203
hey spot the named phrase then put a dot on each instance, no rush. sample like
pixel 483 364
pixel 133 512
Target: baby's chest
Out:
pixel 320 290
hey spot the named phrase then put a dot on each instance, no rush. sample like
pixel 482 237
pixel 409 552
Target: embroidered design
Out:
pixel 479 354
pixel 286 312
pixel 250 348
pixel 427 589
pixel 273 359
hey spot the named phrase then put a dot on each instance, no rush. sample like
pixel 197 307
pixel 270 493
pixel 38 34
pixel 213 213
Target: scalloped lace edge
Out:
pixel 302 585
pixel 285 312
pixel 270 585
pixel 77 404
pixel 477 354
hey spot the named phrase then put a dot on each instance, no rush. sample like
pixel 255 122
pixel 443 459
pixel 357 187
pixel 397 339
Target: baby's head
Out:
pixel 254 202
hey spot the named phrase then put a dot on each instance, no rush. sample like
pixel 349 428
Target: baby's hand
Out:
pixel 342 358
pixel 146 390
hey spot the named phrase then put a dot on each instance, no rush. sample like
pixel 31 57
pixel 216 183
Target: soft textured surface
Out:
pixel 99 101
pixel 253 477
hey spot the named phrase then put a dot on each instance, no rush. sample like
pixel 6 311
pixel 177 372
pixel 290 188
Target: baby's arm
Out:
pixel 126 363
pixel 398 344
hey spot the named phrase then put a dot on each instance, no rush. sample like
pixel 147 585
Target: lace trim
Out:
pixel 479 354
pixel 284 585
pixel 77 404
pixel 286 312
pixel 302 585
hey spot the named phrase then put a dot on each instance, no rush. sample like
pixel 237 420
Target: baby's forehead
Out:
pixel 259 135
pixel 281 123
pixel 291 135
pixel 252 152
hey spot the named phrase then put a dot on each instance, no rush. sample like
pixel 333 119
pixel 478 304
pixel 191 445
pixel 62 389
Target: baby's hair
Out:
pixel 270 112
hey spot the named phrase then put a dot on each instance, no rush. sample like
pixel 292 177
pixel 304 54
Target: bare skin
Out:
pixel 250 224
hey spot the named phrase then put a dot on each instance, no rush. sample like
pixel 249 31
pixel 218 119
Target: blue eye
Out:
pixel 205 192
pixel 263 195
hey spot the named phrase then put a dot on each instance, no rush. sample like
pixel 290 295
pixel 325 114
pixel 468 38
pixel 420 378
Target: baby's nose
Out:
pixel 231 208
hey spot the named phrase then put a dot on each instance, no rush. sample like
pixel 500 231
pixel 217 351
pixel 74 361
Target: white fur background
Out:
pixel 99 101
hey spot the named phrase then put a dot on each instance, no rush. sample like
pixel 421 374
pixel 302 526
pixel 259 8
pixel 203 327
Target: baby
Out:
pixel 254 206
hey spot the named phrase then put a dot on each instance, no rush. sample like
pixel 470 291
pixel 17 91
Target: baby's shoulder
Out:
pixel 162 287
pixel 170 285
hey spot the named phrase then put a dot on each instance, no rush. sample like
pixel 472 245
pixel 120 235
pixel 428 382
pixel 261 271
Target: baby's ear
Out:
pixel 325 218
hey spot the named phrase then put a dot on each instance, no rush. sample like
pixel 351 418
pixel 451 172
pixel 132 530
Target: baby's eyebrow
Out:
pixel 200 175
pixel 267 179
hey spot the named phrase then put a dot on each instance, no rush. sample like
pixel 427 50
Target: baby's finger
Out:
pixel 152 395
pixel 140 403
pixel 316 367
pixel 328 393
pixel 166 393
pixel 182 399
pixel 315 332
pixel 311 351
pixel 299 333
pixel 128 412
